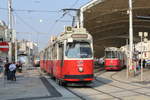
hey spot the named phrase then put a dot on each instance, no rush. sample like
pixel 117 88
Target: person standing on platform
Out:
pixel 144 63
pixel 12 68
pixel 7 72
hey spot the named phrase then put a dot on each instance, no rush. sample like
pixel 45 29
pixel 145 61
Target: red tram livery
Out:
pixel 114 59
pixel 69 57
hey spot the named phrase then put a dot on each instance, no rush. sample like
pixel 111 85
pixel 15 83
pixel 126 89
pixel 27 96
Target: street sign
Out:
pixel 4 46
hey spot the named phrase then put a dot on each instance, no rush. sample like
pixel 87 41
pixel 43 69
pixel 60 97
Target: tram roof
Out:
pixel 78 33
pixel 108 22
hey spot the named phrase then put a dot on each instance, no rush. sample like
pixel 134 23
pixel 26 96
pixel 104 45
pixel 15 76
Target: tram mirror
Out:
pixel 70 40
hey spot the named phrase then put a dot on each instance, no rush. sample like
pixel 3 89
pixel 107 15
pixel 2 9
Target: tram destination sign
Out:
pixel 79 36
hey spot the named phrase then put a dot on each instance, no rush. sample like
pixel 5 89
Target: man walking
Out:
pixel 12 68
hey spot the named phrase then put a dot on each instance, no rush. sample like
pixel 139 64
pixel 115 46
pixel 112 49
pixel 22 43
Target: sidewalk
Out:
pixel 27 86
pixel 31 85
pixel 122 76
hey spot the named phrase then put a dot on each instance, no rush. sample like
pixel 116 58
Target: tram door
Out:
pixel 60 58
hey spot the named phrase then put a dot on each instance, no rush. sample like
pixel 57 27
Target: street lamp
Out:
pixel 143 36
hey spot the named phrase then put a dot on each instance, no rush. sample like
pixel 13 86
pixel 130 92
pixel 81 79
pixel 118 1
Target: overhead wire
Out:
pixel 28 25
pixel 65 13
pixel 42 11
pixel 65 20
pixel 32 11
pixel 4 8
pixel 74 4
pixel 56 21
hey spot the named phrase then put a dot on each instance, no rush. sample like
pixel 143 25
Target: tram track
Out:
pixel 106 93
pixel 124 89
pixel 110 94
pixel 81 97
pixel 93 88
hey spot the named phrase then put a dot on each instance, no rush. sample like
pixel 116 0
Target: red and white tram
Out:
pixel 114 59
pixel 69 57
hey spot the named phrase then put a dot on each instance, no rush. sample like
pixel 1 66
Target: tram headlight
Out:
pixel 80 69
pixel 70 40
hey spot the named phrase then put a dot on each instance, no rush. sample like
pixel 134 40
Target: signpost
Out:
pixel 143 36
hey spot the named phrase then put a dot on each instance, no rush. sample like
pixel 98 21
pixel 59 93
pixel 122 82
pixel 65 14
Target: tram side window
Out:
pixel 54 53
pixel 60 55
pixel 49 54
pixel 41 56
pixel 44 56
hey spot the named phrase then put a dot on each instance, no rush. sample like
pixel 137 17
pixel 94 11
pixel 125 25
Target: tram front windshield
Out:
pixel 111 54
pixel 78 50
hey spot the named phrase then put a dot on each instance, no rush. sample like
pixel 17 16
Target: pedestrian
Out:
pixel 1 69
pixel 19 67
pixel 12 68
pixel 144 63
pixel 7 71
pixel 1 66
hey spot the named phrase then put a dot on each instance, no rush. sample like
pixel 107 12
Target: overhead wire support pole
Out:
pixel 78 13
pixel 10 14
pixel 10 28
pixel 130 34
pixel 81 17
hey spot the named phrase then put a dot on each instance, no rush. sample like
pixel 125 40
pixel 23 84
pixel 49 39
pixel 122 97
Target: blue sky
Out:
pixel 42 22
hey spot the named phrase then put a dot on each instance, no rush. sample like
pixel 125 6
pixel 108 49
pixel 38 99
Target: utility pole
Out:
pixel 10 29
pixel 130 34
pixel 16 47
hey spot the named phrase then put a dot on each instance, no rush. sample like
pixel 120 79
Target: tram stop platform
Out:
pixel 31 85
pixel 134 77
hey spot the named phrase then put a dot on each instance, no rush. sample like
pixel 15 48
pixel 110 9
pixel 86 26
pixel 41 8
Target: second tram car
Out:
pixel 69 57
pixel 114 59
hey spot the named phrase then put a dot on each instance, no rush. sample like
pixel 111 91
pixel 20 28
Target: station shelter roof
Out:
pixel 108 22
